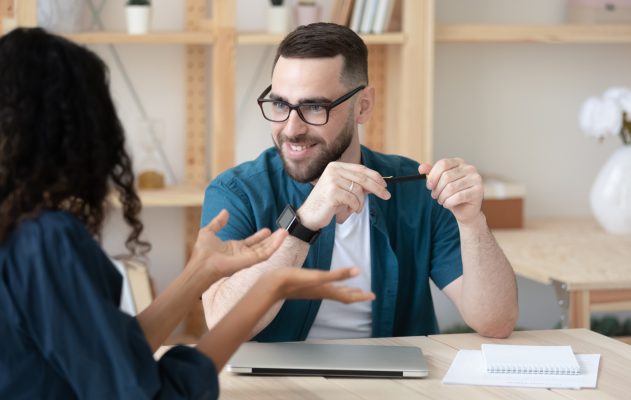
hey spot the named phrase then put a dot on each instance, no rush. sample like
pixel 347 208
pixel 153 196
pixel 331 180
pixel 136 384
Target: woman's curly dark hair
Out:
pixel 62 146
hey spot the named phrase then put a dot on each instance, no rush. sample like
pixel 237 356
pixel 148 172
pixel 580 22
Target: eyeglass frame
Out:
pixel 327 106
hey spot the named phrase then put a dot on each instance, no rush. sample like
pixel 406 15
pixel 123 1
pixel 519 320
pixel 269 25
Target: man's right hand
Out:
pixel 339 192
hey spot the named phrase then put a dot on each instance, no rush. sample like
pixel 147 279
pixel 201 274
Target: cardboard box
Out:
pixel 503 204
pixel 599 11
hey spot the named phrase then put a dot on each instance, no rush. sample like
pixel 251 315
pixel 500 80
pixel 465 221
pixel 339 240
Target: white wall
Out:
pixel 510 109
pixel 157 73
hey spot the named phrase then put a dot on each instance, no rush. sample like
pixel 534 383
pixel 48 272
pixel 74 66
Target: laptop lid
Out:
pixel 299 358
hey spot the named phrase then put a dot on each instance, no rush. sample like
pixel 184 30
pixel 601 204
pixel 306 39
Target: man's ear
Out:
pixel 364 105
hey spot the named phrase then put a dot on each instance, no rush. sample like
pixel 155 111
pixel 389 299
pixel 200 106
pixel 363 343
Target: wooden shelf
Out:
pixel 579 34
pixel 205 37
pixel 179 195
pixel 273 39
pixel 384 38
pixel 172 196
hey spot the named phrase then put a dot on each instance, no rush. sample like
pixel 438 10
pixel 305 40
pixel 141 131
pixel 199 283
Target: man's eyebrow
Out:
pixel 303 100
pixel 316 100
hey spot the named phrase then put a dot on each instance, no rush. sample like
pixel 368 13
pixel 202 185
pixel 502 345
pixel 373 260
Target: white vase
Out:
pixel 611 193
pixel 138 18
pixel 278 19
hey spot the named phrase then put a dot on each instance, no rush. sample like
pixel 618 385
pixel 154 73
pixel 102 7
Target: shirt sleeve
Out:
pixel 224 193
pixel 66 292
pixel 446 253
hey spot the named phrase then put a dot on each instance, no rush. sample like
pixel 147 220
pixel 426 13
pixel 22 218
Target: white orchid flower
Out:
pixel 615 93
pixel 600 117
pixel 622 96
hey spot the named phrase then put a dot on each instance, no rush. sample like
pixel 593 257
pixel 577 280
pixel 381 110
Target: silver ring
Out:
pixel 350 188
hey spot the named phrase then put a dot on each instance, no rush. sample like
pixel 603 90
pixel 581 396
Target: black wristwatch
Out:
pixel 289 221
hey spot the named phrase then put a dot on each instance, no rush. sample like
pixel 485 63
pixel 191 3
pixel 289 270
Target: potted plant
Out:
pixel 138 16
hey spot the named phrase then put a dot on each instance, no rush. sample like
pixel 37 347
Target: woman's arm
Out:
pixel 211 260
pixel 221 297
pixel 227 335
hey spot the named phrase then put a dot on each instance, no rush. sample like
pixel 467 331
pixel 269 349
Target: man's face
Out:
pixel 305 149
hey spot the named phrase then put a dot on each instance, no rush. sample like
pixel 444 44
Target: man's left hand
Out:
pixel 457 186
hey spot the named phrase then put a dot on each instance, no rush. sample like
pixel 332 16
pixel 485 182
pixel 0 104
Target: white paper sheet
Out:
pixel 468 368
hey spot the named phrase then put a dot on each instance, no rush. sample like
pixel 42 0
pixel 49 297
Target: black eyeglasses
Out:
pixel 312 113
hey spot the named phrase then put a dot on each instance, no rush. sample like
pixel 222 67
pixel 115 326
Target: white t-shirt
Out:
pixel 351 248
pixel 127 300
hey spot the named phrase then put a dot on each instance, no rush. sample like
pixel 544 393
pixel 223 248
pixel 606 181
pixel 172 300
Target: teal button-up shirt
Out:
pixel 412 239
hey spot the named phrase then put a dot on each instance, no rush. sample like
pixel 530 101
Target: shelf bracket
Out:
pixel 563 300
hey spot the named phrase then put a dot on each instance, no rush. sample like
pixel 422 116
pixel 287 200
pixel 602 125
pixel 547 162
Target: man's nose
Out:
pixel 295 125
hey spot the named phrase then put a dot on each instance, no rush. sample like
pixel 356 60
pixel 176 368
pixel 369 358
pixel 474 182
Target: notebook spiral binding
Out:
pixel 533 369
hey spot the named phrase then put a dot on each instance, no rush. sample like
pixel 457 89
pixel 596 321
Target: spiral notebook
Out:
pixel 468 368
pixel 555 360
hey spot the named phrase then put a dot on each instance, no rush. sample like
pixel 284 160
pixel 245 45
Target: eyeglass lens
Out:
pixel 279 111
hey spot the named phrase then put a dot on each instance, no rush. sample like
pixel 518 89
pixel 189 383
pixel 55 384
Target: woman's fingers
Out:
pixel 315 284
pixel 257 237
pixel 347 294
pixel 341 274
pixel 243 256
pixel 269 244
pixel 313 277
pixel 329 291
pixel 220 220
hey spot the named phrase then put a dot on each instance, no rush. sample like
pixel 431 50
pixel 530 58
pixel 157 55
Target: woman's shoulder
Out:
pixel 51 235
pixel 56 247
pixel 47 225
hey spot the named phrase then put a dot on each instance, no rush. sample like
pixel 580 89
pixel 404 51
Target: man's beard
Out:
pixel 315 168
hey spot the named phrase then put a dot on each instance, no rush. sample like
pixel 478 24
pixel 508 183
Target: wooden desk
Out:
pixel 589 269
pixel 613 377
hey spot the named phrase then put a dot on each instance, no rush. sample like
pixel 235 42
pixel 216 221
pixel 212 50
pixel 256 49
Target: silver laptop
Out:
pixel 299 358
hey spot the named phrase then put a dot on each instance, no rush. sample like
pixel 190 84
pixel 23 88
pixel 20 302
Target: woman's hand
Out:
pixel 227 257
pixel 282 283
pixel 300 283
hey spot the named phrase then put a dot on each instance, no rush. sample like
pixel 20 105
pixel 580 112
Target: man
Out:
pixel 328 191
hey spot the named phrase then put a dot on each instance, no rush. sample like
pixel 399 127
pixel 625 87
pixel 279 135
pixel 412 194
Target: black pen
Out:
pixel 395 179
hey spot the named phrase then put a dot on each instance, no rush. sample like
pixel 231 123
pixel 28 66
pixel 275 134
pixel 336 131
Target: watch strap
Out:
pixel 295 227
pixel 303 233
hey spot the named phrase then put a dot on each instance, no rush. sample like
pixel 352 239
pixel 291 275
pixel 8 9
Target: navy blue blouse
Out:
pixel 62 334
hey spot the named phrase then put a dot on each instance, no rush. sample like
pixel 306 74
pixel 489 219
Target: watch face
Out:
pixel 286 219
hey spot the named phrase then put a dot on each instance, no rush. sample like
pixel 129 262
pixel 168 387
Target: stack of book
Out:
pixel 364 16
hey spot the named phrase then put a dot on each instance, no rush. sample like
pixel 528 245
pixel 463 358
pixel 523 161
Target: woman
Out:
pixel 62 334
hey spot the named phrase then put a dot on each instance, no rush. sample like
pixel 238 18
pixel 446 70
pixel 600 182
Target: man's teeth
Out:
pixel 297 148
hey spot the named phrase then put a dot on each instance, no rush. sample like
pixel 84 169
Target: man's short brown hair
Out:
pixel 324 40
